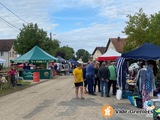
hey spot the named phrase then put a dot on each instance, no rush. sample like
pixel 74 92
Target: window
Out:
pixel 13 54
pixel 2 53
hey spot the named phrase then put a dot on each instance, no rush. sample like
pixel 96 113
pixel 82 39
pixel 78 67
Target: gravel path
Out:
pixel 55 100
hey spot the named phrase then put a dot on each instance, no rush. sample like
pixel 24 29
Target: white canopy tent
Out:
pixel 109 55
pixel 2 61
pixel 80 61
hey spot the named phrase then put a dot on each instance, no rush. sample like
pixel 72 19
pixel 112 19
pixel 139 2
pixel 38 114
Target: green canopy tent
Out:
pixel 35 55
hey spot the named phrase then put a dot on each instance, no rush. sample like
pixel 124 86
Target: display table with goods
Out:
pixel 42 74
pixel 131 84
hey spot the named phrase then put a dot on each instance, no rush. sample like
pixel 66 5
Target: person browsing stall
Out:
pixel 112 78
pixel 104 76
pixel 90 77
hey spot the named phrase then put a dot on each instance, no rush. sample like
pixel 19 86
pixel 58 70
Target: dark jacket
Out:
pixel 84 73
pixel 96 71
pixel 104 73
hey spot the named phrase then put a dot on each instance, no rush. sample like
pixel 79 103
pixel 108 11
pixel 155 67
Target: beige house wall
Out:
pixel 111 46
pixel 7 56
pixel 96 54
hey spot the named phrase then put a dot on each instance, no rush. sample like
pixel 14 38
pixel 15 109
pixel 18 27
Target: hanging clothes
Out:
pixel 145 82
pixel 122 71
pixel 119 71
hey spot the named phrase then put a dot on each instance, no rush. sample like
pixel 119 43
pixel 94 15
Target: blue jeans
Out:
pixel 103 83
pixel 90 82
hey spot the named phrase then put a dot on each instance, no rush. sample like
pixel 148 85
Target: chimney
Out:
pixel 118 39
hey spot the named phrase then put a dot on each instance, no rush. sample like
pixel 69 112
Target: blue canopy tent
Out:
pixel 60 59
pixel 72 61
pixel 147 51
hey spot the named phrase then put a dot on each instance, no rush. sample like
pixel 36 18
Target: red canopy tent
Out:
pixel 109 55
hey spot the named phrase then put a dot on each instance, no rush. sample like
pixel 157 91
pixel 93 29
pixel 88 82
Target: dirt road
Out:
pixel 55 100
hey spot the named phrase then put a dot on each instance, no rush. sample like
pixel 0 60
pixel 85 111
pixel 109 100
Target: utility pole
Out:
pixel 50 36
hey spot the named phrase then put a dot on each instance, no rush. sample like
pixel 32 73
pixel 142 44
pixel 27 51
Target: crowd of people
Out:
pixel 94 75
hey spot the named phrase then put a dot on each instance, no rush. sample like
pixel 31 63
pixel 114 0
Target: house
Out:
pixel 98 52
pixel 116 44
pixel 6 51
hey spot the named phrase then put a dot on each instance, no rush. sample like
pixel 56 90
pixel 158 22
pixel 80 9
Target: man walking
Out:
pixel 90 77
pixel 78 80
pixel 104 78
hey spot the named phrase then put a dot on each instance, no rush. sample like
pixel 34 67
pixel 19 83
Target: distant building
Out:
pixel 6 51
pixel 98 51
pixel 116 44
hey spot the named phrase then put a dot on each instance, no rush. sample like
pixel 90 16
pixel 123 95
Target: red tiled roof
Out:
pixel 6 44
pixel 101 49
pixel 118 43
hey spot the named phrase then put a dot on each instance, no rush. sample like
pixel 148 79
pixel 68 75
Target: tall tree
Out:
pixel 66 52
pixel 82 53
pixel 30 35
pixel 154 28
pixel 136 30
pixel 86 56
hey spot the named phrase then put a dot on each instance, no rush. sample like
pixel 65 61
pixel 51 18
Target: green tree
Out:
pixel 66 52
pixel 154 29
pixel 30 35
pixel 136 30
pixel 81 53
pixel 85 56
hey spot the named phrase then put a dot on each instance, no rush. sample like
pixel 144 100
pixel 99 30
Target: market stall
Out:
pixel 40 59
pixel 61 60
pixel 72 61
pixel 109 55
pixel 62 66
pixel 145 78
pixel 72 64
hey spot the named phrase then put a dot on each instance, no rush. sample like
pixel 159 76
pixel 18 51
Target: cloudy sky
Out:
pixel 77 23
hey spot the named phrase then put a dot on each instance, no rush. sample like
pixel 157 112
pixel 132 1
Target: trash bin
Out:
pixel 36 77
pixel 19 81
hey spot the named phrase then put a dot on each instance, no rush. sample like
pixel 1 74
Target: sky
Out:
pixel 80 24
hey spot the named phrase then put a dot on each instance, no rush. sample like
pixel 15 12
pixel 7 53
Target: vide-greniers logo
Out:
pixel 46 74
pixel 107 111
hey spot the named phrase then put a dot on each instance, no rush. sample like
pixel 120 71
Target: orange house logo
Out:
pixel 107 111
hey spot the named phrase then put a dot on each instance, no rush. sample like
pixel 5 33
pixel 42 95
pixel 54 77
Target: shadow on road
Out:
pixel 74 103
